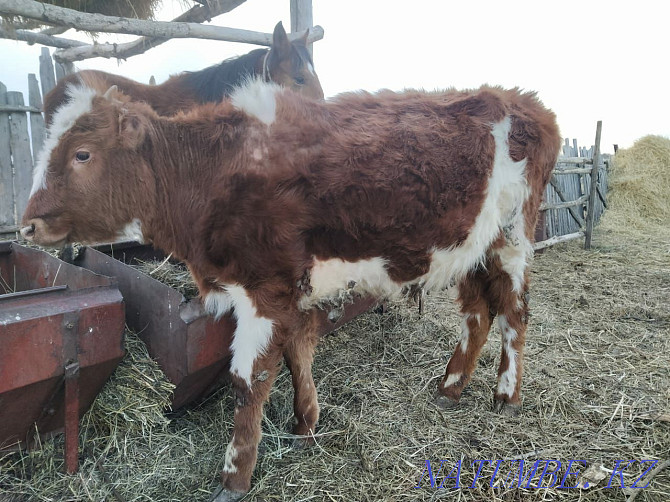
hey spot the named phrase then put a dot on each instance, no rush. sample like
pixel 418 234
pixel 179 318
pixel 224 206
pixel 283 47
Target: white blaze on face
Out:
pixel 253 332
pixel 257 98
pixel 80 100
pixel 507 382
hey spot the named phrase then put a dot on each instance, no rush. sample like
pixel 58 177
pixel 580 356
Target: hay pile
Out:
pixel 640 183
pixel 175 275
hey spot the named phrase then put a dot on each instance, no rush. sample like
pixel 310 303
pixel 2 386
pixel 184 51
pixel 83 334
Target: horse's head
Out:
pixel 290 64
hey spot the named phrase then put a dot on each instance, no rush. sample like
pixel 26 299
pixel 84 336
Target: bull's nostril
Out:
pixel 28 231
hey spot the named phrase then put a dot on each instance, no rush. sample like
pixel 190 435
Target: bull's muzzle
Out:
pixel 37 230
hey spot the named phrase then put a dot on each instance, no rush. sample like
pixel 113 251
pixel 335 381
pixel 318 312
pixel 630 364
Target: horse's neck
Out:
pixel 217 82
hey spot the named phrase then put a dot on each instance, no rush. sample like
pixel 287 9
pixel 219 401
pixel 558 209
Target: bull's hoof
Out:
pixel 222 494
pixel 506 409
pixel 445 402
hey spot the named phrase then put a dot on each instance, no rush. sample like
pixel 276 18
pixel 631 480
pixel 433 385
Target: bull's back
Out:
pixel 413 169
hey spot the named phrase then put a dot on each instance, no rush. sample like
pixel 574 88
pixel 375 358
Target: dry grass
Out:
pixel 175 275
pixel 641 183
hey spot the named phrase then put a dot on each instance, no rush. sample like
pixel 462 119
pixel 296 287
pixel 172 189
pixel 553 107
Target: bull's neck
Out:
pixel 182 161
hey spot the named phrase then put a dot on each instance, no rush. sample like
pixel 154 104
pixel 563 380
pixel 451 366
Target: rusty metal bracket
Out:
pixel 71 353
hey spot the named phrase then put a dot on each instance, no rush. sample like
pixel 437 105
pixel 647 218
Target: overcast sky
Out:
pixel 588 60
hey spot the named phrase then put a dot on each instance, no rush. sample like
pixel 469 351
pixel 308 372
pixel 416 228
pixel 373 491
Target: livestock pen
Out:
pixel 596 389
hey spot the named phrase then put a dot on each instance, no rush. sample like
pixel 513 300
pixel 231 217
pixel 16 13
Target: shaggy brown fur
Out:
pixel 363 176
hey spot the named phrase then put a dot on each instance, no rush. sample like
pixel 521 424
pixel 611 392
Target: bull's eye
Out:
pixel 82 156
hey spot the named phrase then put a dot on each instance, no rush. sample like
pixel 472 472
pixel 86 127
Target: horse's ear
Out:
pixel 303 40
pixel 280 41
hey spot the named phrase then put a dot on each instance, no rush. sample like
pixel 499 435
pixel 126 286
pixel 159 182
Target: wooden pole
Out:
pixel 47 78
pixel 590 217
pixel 7 216
pixel 302 18
pixel 60 16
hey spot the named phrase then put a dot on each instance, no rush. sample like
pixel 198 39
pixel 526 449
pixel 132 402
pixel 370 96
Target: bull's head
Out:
pixel 89 179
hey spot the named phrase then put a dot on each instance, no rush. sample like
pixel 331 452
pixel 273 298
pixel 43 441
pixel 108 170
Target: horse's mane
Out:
pixel 217 81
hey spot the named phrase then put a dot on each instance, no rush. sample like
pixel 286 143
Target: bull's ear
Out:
pixel 280 41
pixel 133 128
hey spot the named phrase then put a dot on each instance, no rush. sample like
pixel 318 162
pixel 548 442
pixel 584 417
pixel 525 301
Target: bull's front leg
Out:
pixel 254 366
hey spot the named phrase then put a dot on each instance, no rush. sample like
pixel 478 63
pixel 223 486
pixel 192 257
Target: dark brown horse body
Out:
pixel 286 63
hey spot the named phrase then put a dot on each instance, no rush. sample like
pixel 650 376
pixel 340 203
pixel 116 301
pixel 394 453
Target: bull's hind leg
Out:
pixel 475 324
pixel 298 354
pixel 509 291
pixel 512 320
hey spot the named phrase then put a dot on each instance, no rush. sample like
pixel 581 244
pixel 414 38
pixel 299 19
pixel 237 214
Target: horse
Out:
pixel 287 63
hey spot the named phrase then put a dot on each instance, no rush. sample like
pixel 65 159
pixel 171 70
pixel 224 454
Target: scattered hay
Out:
pixel 596 387
pixel 640 183
pixel 135 398
pixel 175 275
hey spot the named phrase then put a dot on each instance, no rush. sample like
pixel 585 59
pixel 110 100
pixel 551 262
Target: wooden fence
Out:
pixel 565 214
pixel 19 145
pixel 571 207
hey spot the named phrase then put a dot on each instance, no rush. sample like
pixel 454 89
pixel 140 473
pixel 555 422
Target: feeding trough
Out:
pixel 191 348
pixel 61 330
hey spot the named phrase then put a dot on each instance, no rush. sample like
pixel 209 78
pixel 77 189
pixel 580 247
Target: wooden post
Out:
pixel 302 19
pixel 37 133
pixel 7 217
pixel 21 158
pixel 47 78
pixel 590 217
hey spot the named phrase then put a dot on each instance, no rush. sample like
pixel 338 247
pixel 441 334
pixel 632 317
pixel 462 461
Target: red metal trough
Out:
pixel 61 337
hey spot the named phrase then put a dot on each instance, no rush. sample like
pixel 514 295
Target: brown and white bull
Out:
pixel 280 204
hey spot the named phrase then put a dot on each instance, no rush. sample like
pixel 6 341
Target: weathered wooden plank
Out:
pixel 564 205
pixel 582 170
pixel 37 131
pixel 17 108
pixel 47 78
pixel 6 179
pixel 22 160
pixel 556 240
pixel 208 32
pixel 39 38
pixel 575 214
pixel 575 160
pixel 590 216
